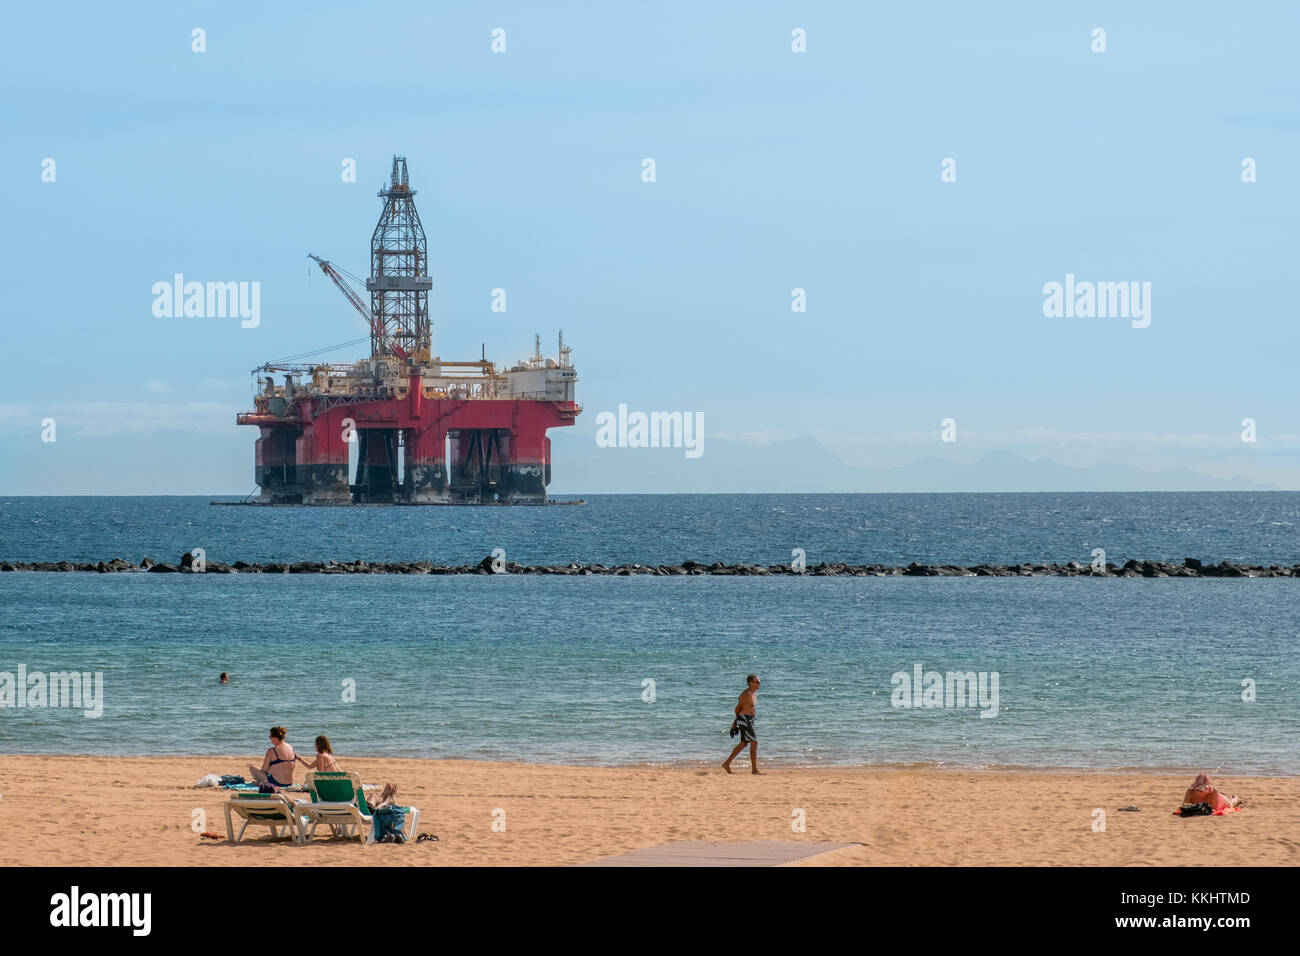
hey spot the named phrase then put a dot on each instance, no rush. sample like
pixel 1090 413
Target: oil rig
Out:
pixel 425 431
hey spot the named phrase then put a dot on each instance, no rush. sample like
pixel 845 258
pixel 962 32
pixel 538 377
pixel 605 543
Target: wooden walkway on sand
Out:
pixel 699 853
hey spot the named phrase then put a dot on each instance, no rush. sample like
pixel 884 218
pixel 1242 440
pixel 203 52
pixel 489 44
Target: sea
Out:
pixel 1083 673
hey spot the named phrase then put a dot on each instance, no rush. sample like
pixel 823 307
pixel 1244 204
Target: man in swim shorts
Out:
pixel 744 725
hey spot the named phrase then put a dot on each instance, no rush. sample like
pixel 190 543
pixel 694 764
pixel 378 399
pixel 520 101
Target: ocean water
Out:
pixel 1090 673
pixel 1260 528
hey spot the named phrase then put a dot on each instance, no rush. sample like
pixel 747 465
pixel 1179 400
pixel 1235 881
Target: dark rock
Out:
pixel 1192 563
pixel 161 569
pixel 1226 569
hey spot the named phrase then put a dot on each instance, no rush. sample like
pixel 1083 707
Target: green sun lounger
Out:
pixel 337 800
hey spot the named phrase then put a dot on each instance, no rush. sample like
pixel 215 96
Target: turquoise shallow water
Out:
pixel 1091 673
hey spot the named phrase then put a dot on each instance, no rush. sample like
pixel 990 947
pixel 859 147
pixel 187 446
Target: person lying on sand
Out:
pixel 324 756
pixel 1202 791
pixel 744 725
pixel 279 752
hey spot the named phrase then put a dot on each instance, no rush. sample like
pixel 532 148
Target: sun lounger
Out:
pixel 272 810
pixel 337 800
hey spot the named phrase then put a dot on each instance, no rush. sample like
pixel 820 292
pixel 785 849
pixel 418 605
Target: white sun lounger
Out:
pixel 273 810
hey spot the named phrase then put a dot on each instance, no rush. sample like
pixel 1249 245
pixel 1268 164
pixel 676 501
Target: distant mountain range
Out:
pixel 805 465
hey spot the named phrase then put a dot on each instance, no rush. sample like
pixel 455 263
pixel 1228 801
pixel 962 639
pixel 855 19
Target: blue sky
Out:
pixel 775 170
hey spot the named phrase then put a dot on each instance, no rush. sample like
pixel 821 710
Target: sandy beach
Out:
pixel 109 811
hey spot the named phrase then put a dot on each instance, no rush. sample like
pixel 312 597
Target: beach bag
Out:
pixel 390 821
pixel 1196 810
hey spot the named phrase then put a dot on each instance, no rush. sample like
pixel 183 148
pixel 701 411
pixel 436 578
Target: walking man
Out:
pixel 744 725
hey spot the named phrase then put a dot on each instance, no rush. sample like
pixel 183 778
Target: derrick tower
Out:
pixel 399 284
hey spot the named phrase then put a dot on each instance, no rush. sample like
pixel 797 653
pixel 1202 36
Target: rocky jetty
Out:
pixel 1189 568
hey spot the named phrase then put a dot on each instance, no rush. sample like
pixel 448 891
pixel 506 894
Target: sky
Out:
pixel 775 170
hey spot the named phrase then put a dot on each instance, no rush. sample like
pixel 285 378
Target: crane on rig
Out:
pixel 377 328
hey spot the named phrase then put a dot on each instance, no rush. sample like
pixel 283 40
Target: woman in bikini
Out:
pixel 1202 791
pixel 325 762
pixel 324 756
pixel 279 752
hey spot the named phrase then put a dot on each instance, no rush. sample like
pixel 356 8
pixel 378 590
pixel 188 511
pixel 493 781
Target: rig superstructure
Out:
pixel 425 431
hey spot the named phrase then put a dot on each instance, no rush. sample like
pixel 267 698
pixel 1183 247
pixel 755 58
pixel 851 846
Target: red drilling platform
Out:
pixel 425 431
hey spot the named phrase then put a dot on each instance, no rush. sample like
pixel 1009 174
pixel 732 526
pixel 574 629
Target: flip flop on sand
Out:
pixel 429 837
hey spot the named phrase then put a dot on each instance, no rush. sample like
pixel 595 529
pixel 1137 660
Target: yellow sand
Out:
pixel 104 811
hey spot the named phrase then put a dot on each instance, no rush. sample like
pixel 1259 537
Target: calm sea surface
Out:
pixel 1091 673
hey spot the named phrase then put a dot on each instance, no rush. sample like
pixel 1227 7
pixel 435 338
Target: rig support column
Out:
pixel 425 481
pixel 276 469
pixel 526 466
pixel 322 456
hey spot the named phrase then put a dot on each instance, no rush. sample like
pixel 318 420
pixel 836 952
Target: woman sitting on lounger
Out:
pixel 324 756
pixel 278 753
pixel 1202 791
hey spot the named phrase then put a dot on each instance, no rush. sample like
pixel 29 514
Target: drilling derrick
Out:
pixel 415 429
pixel 399 287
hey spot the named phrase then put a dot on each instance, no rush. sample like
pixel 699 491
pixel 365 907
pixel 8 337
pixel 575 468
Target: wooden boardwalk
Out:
pixel 699 853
